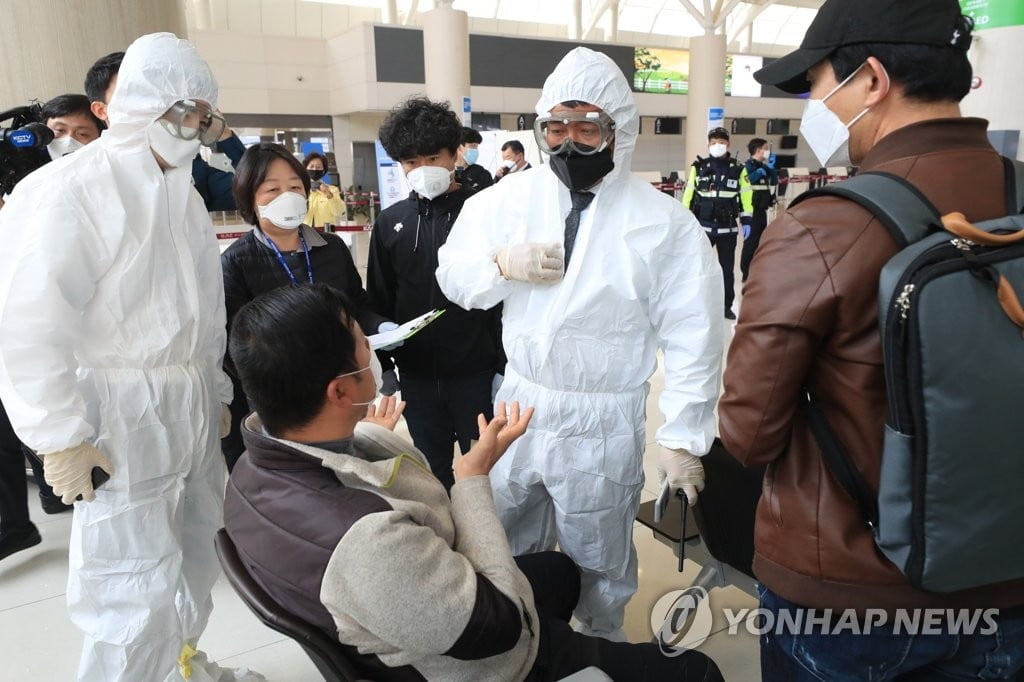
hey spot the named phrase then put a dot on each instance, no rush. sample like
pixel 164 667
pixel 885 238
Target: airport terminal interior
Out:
pixel 321 76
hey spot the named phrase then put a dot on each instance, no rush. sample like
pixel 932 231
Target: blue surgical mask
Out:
pixel 471 156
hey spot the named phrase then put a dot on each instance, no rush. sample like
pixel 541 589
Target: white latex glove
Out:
pixel 225 420
pixel 496 385
pixel 387 326
pixel 682 470
pixel 69 471
pixel 533 263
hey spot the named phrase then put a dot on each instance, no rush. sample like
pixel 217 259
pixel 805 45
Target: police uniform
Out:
pixel 718 192
pixel 763 181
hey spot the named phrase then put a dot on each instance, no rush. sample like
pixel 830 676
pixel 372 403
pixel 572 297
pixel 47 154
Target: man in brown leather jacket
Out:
pixel 887 75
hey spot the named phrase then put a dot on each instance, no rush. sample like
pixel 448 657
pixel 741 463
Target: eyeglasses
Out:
pixel 188 119
pixel 585 133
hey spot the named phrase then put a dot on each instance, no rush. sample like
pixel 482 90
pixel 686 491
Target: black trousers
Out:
pixel 13 491
pixel 725 245
pixel 757 225
pixel 442 412
pixel 555 580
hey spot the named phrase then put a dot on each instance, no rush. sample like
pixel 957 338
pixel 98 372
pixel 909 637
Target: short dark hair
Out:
pixel 926 73
pixel 471 136
pixel 718 134
pixel 315 155
pixel 98 78
pixel 251 171
pixel 756 144
pixel 420 127
pixel 70 105
pixel 514 145
pixel 287 345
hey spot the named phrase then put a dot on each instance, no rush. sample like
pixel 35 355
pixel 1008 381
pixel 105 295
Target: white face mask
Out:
pixel 430 181
pixel 378 377
pixel 510 164
pixel 287 211
pixel 62 146
pixel 718 150
pixel 175 151
pixel 829 137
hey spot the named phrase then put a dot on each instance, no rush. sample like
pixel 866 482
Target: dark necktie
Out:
pixel 580 201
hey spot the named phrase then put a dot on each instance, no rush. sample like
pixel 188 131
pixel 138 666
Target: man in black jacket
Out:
pixel 446 370
pixel 468 172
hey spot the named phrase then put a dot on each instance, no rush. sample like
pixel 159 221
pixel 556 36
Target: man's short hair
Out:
pixel 925 73
pixel 471 136
pixel 252 171
pixel 287 345
pixel 98 78
pixel 515 145
pixel 420 127
pixel 718 134
pixel 755 144
pixel 71 105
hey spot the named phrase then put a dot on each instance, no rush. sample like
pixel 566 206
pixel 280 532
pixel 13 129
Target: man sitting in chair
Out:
pixel 342 523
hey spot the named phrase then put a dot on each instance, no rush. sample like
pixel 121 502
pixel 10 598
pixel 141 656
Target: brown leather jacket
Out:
pixel 810 318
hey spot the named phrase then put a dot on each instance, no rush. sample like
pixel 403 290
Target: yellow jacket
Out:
pixel 324 210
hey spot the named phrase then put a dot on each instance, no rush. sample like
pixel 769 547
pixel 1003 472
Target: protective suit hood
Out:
pixel 592 77
pixel 158 70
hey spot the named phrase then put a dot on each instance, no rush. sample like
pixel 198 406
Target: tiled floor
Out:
pixel 38 643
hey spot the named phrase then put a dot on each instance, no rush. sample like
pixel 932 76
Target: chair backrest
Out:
pixel 327 654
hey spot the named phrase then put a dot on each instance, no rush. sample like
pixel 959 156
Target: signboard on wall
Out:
pixel 994 13
pixel 716 118
pixel 391 179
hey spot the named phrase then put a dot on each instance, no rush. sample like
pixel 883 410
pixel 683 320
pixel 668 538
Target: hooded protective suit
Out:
pixel 641 276
pixel 112 333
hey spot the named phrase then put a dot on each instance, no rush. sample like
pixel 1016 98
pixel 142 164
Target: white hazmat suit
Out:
pixel 641 276
pixel 112 333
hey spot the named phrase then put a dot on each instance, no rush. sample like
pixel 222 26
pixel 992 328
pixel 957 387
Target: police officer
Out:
pixel 763 181
pixel 718 192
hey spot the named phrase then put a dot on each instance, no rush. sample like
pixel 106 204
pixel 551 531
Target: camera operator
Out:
pixel 73 123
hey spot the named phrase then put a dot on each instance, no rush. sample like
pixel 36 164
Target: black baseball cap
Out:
pixel 850 22
pixel 719 133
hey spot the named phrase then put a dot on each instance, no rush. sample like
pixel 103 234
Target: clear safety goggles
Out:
pixel 585 133
pixel 188 120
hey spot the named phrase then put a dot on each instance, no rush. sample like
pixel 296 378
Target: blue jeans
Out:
pixel 884 654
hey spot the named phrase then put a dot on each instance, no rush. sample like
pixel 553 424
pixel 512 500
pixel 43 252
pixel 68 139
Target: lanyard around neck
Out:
pixel 281 260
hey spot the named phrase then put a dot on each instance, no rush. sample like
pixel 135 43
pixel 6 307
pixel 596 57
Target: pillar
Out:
pixel 707 90
pixel 612 23
pixel 576 20
pixel 446 54
pixel 390 12
pixel 46 46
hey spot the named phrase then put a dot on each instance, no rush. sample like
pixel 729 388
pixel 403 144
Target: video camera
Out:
pixel 22 145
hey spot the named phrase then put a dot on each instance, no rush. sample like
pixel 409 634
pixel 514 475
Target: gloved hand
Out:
pixel 495 385
pixel 771 161
pixel 225 420
pixel 389 383
pixel 682 470
pixel 69 471
pixel 387 326
pixel 532 263
pixel 745 222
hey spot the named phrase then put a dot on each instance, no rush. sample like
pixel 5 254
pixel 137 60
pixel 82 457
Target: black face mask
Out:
pixel 577 171
pixel 317 174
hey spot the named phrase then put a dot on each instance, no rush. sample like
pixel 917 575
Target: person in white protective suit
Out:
pixel 581 345
pixel 112 334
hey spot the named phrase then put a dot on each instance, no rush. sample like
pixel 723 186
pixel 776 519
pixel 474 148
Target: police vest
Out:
pixel 762 190
pixel 716 196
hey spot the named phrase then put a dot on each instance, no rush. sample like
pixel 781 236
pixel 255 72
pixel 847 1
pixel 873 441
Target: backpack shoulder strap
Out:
pixel 906 213
pixel 1014 186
